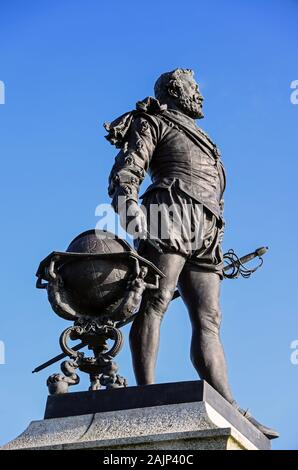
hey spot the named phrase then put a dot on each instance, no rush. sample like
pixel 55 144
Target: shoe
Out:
pixel 268 432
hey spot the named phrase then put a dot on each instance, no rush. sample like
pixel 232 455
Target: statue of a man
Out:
pixel 161 138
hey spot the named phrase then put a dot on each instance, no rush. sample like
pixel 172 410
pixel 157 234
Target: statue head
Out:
pixel 178 89
pixel 143 272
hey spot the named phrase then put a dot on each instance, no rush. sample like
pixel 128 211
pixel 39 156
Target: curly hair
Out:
pixel 169 80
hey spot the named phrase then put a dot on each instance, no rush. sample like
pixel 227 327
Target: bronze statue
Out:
pixel 160 137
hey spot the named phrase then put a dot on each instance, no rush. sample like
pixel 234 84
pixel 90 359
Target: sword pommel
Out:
pixel 261 251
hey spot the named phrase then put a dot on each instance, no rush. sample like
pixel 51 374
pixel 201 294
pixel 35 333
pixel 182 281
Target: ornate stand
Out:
pixel 101 368
pixel 111 278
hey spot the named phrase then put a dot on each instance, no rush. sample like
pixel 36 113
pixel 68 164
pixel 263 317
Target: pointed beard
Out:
pixel 190 107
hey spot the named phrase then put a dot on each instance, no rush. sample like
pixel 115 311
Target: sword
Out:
pixel 57 358
pixel 236 265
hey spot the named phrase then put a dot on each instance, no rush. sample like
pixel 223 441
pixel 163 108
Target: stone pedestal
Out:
pixel 177 416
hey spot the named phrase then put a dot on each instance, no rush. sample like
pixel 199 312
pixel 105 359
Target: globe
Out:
pixel 91 278
pixel 94 271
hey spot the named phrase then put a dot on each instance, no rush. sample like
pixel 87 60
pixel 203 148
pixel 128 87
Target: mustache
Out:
pixel 195 100
pixel 198 99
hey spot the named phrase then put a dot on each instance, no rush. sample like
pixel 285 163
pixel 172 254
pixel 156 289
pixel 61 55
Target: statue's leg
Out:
pixel 200 292
pixel 145 330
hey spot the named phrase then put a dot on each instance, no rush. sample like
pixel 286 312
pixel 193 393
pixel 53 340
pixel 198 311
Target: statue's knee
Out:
pixel 159 301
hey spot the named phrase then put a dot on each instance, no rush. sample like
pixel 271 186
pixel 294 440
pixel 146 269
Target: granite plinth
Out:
pixel 179 416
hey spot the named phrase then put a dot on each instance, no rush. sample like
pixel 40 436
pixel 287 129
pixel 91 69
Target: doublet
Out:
pixel 160 146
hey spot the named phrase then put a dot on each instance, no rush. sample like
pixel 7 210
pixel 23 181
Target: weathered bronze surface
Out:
pixel 101 283
pixel 161 138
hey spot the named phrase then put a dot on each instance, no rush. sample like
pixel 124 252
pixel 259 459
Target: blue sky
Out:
pixel 68 66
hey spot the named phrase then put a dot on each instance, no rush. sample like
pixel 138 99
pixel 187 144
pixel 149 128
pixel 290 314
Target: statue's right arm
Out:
pixel 132 162
pixel 130 167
